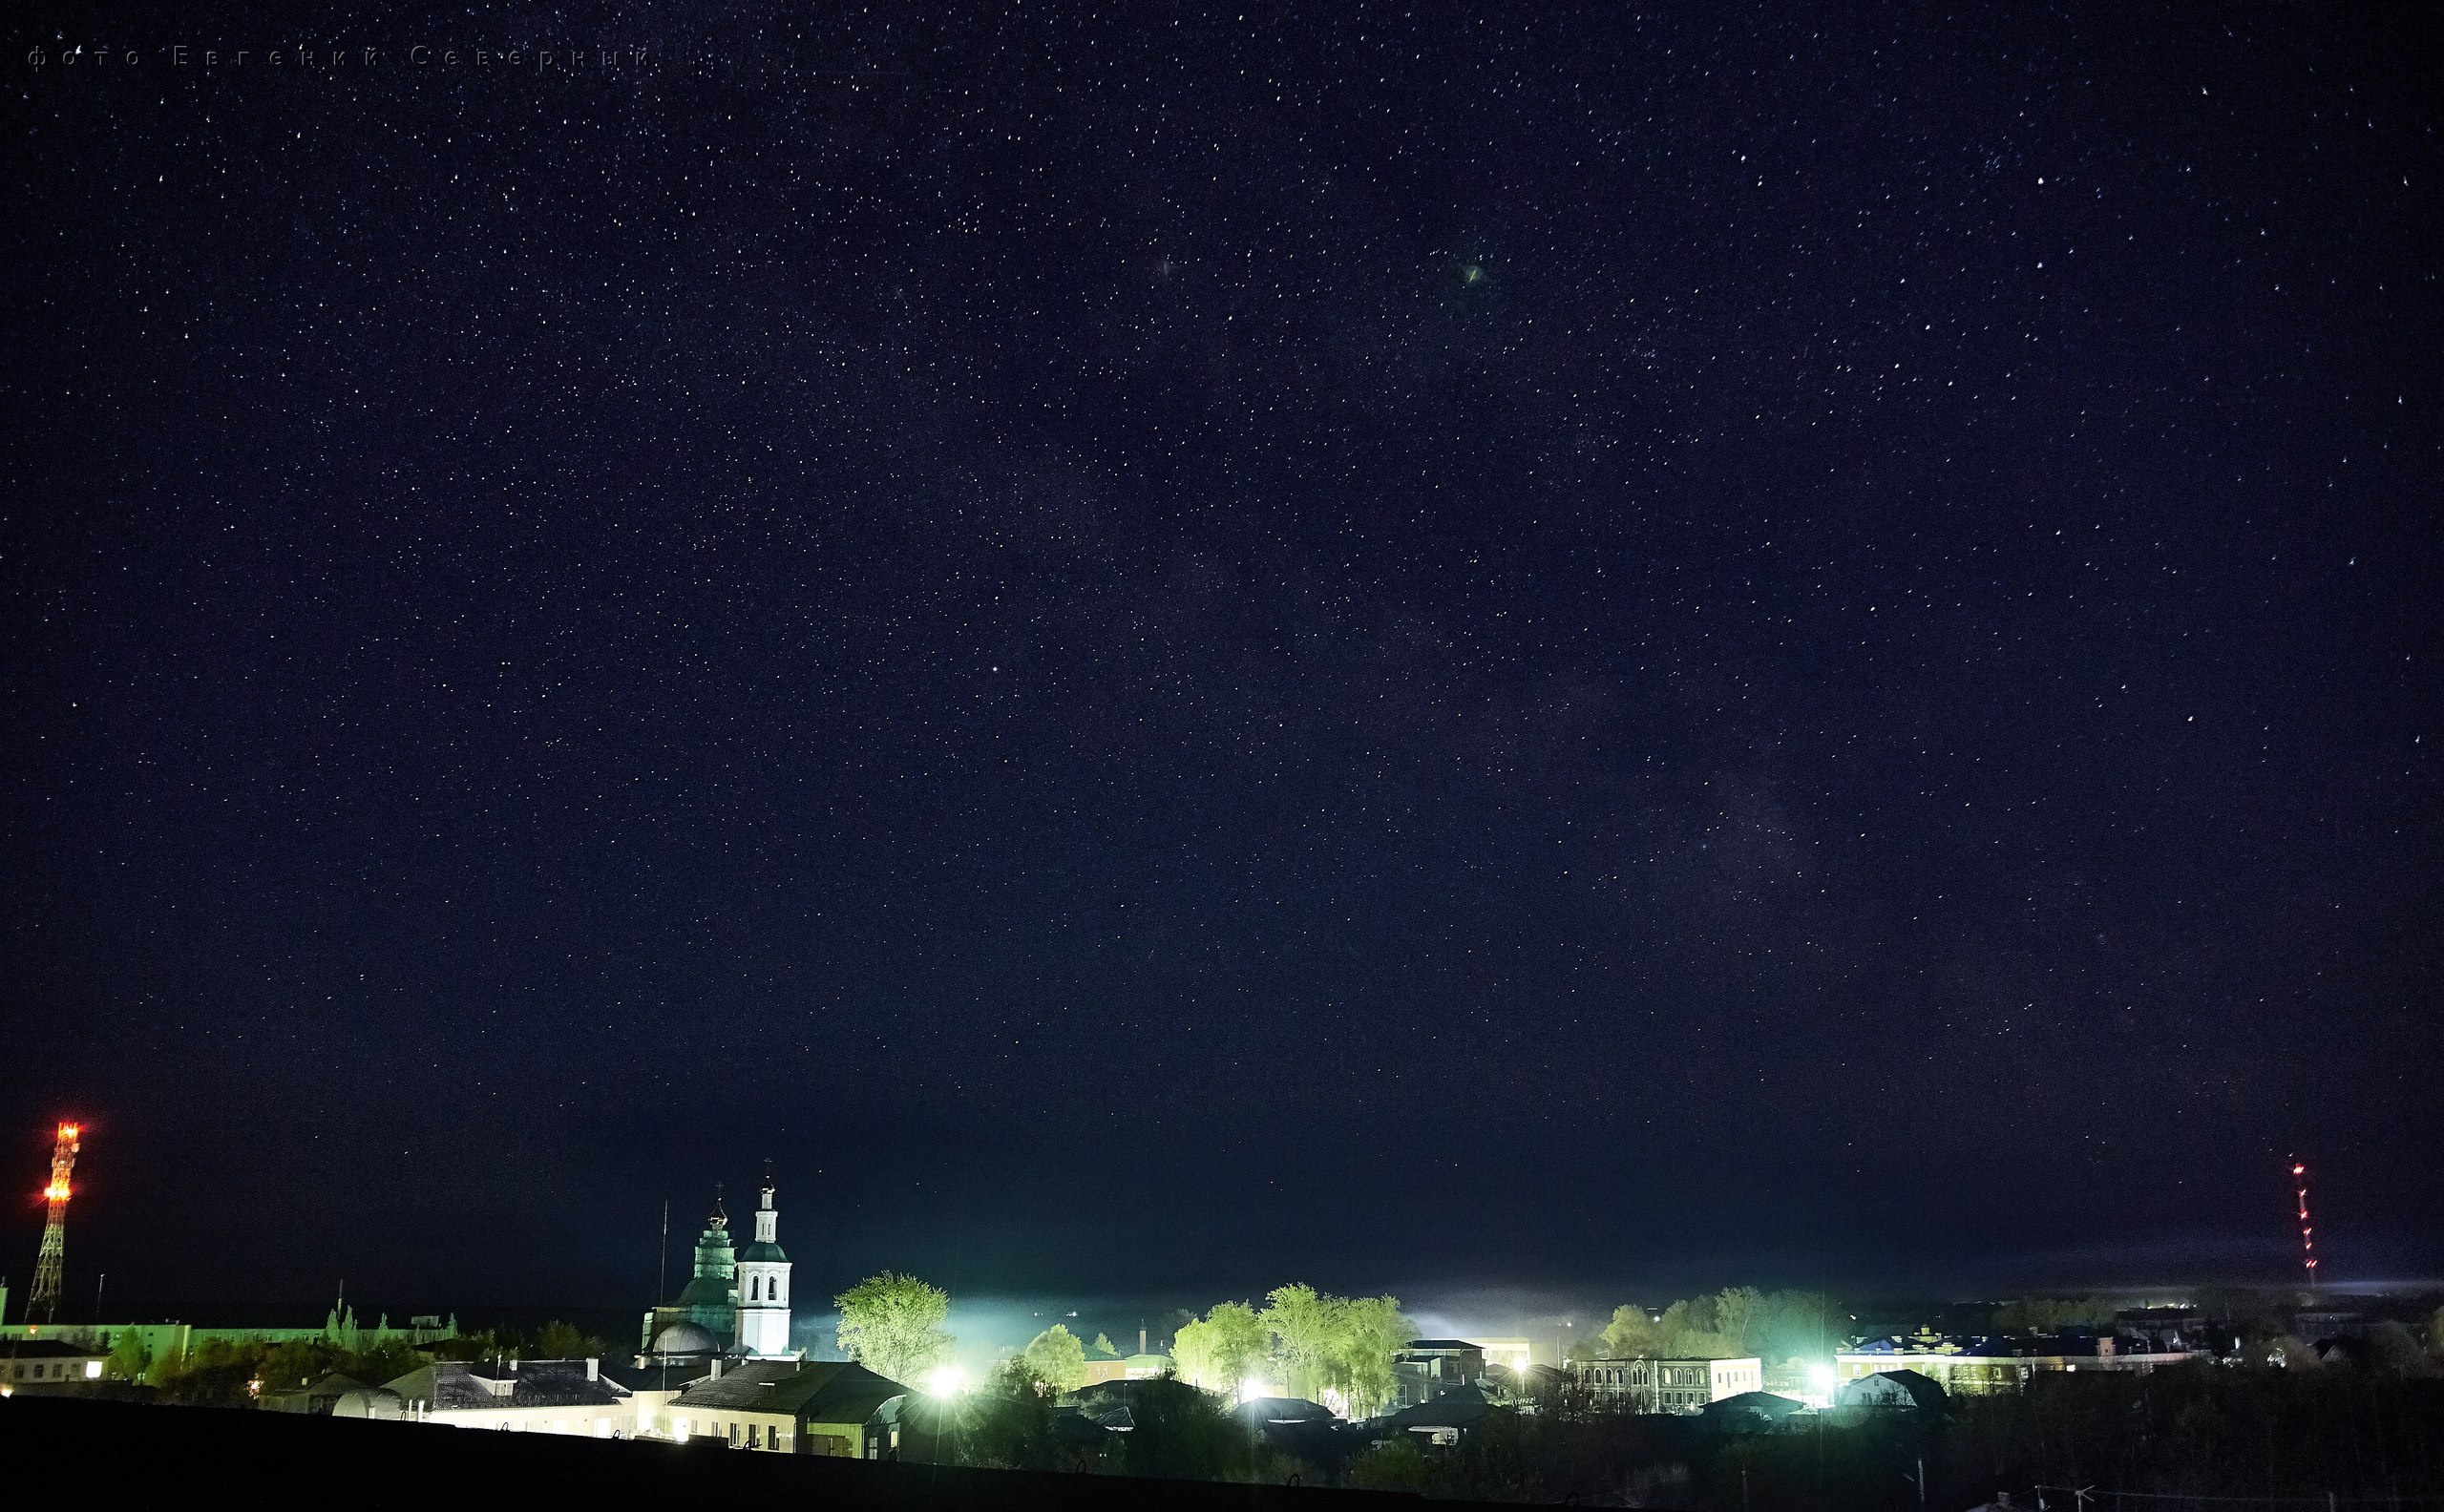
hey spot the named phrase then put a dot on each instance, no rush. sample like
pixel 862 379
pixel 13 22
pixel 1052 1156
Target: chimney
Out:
pixel 592 1367
pixel 717 1369
pixel 1141 1341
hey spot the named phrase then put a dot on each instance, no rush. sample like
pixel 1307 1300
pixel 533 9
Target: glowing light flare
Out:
pixel 945 1383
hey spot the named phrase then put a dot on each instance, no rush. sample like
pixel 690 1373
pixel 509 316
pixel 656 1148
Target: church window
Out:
pixel 752 1282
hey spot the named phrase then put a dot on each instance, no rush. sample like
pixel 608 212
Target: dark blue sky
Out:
pixel 1387 645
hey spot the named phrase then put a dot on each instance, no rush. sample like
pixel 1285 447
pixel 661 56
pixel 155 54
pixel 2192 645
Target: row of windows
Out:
pixel 89 1370
pixel 756 1282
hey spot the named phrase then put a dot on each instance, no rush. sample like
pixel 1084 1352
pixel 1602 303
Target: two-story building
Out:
pixel 1681 1387
pixel 828 1407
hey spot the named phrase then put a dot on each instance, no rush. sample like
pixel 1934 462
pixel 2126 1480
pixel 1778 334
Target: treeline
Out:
pixel 231 1372
pixel 1777 1327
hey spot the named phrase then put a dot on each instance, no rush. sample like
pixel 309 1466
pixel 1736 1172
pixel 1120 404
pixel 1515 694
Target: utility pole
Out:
pixel 42 1303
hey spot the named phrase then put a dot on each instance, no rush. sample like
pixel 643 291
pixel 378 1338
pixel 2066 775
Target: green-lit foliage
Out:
pixel 1057 1359
pixel 893 1325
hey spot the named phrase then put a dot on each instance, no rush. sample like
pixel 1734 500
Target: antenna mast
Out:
pixel 42 1303
pixel 2308 1234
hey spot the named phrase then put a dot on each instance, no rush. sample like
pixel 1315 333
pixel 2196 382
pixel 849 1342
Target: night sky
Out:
pixel 1175 650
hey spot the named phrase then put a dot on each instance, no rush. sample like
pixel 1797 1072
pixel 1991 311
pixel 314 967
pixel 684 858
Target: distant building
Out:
pixel 1894 1390
pixel 1750 1412
pixel 833 1408
pixel 1105 1364
pixel 161 1341
pixel 556 1396
pixel 1428 1367
pixel 318 1398
pixel 738 1300
pixel 44 1365
pixel 1679 1387
pixel 1513 1355
pixel 1444 1421
pixel 1983 1365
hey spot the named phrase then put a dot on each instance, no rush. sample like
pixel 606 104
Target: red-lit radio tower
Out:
pixel 2308 1234
pixel 42 1303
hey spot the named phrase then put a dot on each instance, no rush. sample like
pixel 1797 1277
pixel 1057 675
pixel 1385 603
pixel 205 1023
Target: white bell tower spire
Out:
pixel 764 1284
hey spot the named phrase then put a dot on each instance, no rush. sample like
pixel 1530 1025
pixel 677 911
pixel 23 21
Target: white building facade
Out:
pixel 763 1287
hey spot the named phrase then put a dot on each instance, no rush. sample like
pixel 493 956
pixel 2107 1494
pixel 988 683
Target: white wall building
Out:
pixel 763 1287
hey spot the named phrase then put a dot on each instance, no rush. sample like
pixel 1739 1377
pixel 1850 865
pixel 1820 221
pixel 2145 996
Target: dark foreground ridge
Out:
pixel 280 1459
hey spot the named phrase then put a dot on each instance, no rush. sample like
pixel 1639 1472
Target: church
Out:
pixel 736 1303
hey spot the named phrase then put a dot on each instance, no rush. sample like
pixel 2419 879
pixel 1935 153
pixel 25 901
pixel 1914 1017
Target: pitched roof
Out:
pixel 1925 1391
pixel 47 1348
pixel 455 1386
pixel 1282 1409
pixel 656 1374
pixel 820 1390
pixel 1462 1408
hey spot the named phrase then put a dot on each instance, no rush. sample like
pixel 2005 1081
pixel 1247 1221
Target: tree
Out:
pixel 1057 1359
pixel 1223 1350
pixel 1631 1335
pixel 1800 1325
pixel 129 1358
pixel 1303 1325
pixel 2052 1315
pixel 559 1341
pixel 1103 1342
pixel 893 1325
pixel 1372 1330
pixel 1691 1329
pixel 1741 1315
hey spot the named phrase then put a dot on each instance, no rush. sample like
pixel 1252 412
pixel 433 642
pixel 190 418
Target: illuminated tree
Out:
pixel 1371 1331
pixel 1304 1326
pixel 1741 1317
pixel 1057 1359
pixel 893 1326
pixel 1631 1335
pixel 129 1358
pixel 1222 1350
pixel 559 1341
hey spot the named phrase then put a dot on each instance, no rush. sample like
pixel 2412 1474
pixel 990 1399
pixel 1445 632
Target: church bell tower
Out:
pixel 764 1285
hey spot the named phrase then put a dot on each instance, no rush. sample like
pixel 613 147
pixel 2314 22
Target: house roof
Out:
pixel 1768 1404
pixel 47 1348
pixel 1925 1391
pixel 454 1386
pixel 820 1390
pixel 653 1375
pixel 1440 1344
pixel 1460 1407
pixel 1282 1409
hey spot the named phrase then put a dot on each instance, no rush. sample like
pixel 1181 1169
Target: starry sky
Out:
pixel 1175 649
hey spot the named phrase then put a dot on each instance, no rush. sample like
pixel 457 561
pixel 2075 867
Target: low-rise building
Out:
pixel 1679 1387
pixel 556 1396
pixel 1428 1367
pixel 1981 1365
pixel 1895 1390
pixel 835 1408
pixel 47 1365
